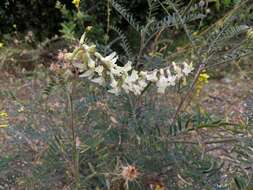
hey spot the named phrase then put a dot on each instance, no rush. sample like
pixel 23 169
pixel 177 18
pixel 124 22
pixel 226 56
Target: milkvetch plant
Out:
pixel 133 128
pixel 104 70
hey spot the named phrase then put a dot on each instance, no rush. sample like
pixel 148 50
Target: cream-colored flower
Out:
pixel 127 67
pixel 137 89
pixel 142 83
pixel 115 91
pixel 133 77
pixel 177 70
pixel 90 49
pixel 116 70
pixel 91 63
pixel 188 68
pixel 99 69
pixel 152 76
pixel 115 87
pixel 99 80
pixel 129 80
pixel 82 67
pixel 126 87
pixel 88 73
pixel 143 74
pixel 171 78
pixel 109 60
pixel 162 83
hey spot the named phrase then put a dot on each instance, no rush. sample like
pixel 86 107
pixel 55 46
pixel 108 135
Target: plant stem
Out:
pixel 133 110
pixel 75 153
pixel 108 16
pixel 201 67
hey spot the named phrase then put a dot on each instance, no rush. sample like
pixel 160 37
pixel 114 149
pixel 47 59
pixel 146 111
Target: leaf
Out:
pixel 240 183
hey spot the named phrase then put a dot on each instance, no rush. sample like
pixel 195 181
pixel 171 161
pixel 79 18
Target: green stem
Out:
pixel 75 153
pixel 108 16
pixel 133 110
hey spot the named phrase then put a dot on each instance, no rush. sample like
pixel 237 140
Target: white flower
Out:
pixel 134 76
pixel 98 55
pixel 126 87
pixel 89 49
pixel 142 83
pixel 162 83
pixel 109 60
pixel 178 70
pixel 127 67
pixel 99 80
pixel 91 63
pixel 88 73
pixel 116 70
pixel 99 69
pixel 115 88
pixel 115 91
pixel 152 76
pixel 129 80
pixel 82 67
pixel 137 89
pixel 188 68
pixel 143 74
pixel 171 79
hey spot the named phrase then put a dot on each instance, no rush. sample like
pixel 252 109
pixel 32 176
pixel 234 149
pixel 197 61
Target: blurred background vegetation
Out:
pixel 42 17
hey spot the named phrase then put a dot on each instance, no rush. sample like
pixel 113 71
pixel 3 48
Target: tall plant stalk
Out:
pixel 75 153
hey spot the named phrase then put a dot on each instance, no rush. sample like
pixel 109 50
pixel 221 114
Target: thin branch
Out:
pixel 182 22
pixel 201 67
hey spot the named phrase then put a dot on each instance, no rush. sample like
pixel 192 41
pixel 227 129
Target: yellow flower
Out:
pixel 203 77
pixel 1 45
pixel 3 114
pixel 3 119
pixel 202 80
pixel 76 3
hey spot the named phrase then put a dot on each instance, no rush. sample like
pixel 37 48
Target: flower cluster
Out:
pixel 202 80
pixel 76 3
pixel 104 70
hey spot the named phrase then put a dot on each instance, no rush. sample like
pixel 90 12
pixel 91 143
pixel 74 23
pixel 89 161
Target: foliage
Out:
pixel 112 134
pixel 41 17
pixel 72 134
